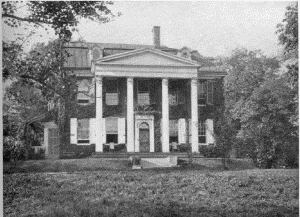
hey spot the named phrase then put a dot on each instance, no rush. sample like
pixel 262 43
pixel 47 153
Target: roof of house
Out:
pixel 116 48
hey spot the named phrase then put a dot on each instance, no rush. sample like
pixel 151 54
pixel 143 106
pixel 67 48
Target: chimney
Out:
pixel 156 36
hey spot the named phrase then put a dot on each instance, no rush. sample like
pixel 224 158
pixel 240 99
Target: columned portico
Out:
pixel 130 116
pixel 194 114
pixel 99 112
pixel 165 116
pixel 140 64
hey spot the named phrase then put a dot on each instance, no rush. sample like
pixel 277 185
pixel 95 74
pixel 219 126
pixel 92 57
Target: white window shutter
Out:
pixel 103 132
pixel 209 124
pixel 121 130
pixel 190 131
pixel 73 131
pixel 181 130
pixel 93 131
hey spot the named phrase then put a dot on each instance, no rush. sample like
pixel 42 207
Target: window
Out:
pixel 205 92
pixel 83 130
pixel 210 91
pixel 76 57
pixel 143 92
pixel 83 95
pixel 173 131
pixel 201 93
pixel 202 132
pixel 111 126
pixel 173 92
pixel 112 94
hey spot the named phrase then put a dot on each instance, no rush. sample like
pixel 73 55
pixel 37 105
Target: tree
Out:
pixel 288 37
pixel 288 31
pixel 266 123
pixel 259 103
pixel 62 16
pixel 42 68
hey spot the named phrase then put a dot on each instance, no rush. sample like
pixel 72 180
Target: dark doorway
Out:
pixel 144 138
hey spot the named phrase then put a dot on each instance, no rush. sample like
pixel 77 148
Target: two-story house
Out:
pixel 138 98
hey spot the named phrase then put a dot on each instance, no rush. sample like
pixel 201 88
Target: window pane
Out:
pixel 173 98
pixel 112 99
pixel 111 125
pixel 83 95
pixel 201 93
pixel 111 86
pixel 143 85
pixel 202 132
pixel 83 131
pixel 143 98
pixel 112 138
pixel 210 89
pixel 173 127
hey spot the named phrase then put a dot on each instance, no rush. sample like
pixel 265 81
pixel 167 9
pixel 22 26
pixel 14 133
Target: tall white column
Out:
pixel 194 118
pixel 99 112
pixel 165 116
pixel 130 116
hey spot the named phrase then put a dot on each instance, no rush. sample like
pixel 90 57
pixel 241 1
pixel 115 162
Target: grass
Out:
pixel 189 191
pixel 96 164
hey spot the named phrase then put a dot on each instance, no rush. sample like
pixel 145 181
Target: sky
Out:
pixel 211 28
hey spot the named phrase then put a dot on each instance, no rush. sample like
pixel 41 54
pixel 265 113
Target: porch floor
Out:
pixel 143 154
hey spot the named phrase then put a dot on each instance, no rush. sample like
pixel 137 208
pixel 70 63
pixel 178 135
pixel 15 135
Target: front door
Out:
pixel 144 140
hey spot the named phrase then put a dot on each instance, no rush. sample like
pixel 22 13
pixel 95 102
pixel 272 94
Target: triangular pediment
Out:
pixel 148 56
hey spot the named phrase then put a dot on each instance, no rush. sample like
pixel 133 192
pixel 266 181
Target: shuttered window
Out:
pixel 210 92
pixel 76 57
pixel 83 130
pixel 173 92
pixel 173 127
pixel 143 92
pixel 201 93
pixel 111 125
pixel 205 92
pixel 83 94
pixel 202 132
pixel 112 94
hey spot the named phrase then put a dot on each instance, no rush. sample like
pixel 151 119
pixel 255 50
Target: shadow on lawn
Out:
pixel 161 208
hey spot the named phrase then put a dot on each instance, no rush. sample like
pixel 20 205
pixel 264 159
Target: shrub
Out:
pixel 210 151
pixel 36 156
pixel 136 160
pixel 13 149
pixel 184 147
pixel 120 148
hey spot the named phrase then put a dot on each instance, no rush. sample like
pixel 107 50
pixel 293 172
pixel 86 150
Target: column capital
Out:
pixel 194 81
pixel 98 79
pixel 165 81
pixel 129 79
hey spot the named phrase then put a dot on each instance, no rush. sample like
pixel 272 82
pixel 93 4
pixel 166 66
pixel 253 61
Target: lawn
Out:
pixel 161 192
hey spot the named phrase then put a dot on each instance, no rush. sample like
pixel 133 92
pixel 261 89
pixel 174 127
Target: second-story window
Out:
pixel 173 92
pixel 83 95
pixel 205 92
pixel 112 93
pixel 210 92
pixel 201 93
pixel 143 92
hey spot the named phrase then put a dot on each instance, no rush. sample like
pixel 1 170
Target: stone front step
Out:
pixel 170 161
pixel 141 154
